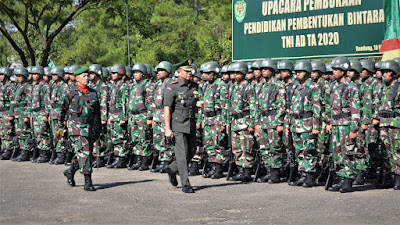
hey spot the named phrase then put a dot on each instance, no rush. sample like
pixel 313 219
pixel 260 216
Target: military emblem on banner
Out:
pixel 240 10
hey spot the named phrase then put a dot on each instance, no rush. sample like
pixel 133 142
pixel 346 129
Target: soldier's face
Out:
pixel 83 79
pixel 46 78
pixel 208 76
pixel 2 76
pixel 114 76
pixel 161 74
pixel 387 75
pixel 249 76
pixel 54 77
pixel 378 74
pixel 301 74
pixel 284 73
pixel 238 76
pixel 351 74
pixel 364 74
pixel 92 75
pixel 337 73
pixel 138 75
pixel 257 73
pixel 72 77
pixel 266 72
pixel 30 76
pixel 184 75
pixel 36 76
pixel 232 75
pixel 20 78
pixel 314 74
pixel 225 76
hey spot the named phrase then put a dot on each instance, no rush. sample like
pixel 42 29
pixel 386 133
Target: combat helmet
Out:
pixel 118 68
pixel 391 65
pixel 165 65
pixel 21 71
pixel 140 67
pixel 96 68
pixel 368 65
pixel 239 67
pixel 356 66
pixel 318 65
pixel 286 65
pixel 7 71
pixel 269 63
pixel 304 65
pixel 38 70
pixel 59 71
pixel 341 62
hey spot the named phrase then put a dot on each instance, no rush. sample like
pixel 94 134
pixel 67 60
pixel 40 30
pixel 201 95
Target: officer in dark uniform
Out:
pixel 180 100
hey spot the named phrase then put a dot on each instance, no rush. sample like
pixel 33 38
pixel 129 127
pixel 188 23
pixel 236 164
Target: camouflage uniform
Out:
pixel 7 131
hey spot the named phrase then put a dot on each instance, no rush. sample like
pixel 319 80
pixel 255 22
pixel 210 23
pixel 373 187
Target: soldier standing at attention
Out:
pixel 7 131
pixel 82 105
pixel 180 100
pixel 343 111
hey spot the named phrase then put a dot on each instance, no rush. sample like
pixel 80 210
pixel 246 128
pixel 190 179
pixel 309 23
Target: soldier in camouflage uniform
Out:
pixel 71 77
pixel 241 114
pixel 7 131
pixel 100 86
pixel 344 113
pixel 156 116
pixel 82 105
pixel 118 116
pixel 271 108
pixel 20 114
pixel 138 109
pixel 388 118
pixel 58 127
pixel 40 108
pixel 214 101
pixel 305 113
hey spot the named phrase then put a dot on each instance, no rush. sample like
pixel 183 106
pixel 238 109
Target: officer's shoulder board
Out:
pixel 173 82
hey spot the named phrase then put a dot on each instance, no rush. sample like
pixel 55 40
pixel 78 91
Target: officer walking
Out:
pixel 180 100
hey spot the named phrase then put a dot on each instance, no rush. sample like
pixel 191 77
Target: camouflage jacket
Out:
pixel 84 112
pixel 102 89
pixel 40 99
pixel 389 105
pixel 117 104
pixel 156 96
pixel 242 106
pixel 343 105
pixel 6 92
pixel 289 87
pixel 270 104
pixel 57 98
pixel 215 97
pixel 365 91
pixel 20 107
pixel 139 98
pixel 323 86
pixel 305 110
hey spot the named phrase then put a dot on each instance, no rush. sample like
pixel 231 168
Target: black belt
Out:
pixel 341 116
pixel 38 109
pixel 20 105
pixel 85 120
pixel 139 112
pixel 269 112
pixel 4 109
pixel 240 115
pixel 303 116
pixel 56 105
pixel 116 110
pixel 213 113
pixel 389 114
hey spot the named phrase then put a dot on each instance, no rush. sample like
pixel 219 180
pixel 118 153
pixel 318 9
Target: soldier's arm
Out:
pixel 124 102
pixel 281 104
pixel 47 99
pixel 251 95
pixel 316 108
pixel 103 102
pixel 355 109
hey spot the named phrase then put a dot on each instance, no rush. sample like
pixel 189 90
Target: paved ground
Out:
pixel 38 194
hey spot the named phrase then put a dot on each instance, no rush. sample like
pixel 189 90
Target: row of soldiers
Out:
pixel 264 117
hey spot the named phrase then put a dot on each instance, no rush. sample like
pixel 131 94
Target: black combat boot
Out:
pixel 274 176
pixel 44 156
pixel 137 162
pixel 238 176
pixel 338 185
pixel 193 169
pixel 347 186
pixel 60 159
pixel 172 176
pixel 360 180
pixel 70 173
pixel 121 163
pixel 266 177
pixel 88 183
pixel 143 165
pixel 157 169
pixel 112 165
pixel 388 183
pixel 300 181
pixel 309 181
pixel 246 175
pixel 396 182
pixel 218 171
pixel 15 154
pixel 211 172
pixel 24 156
pixel 68 158
pixel 6 155
pixel 187 189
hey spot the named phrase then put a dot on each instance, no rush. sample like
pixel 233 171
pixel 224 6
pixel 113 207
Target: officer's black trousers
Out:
pixel 184 149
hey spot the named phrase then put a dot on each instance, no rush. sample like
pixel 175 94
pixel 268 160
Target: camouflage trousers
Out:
pixel 83 158
pixel 41 131
pixel 58 142
pixel 344 152
pixel 198 155
pixel 99 144
pixel 242 147
pixel 160 142
pixel 118 135
pixel 305 145
pixel 24 133
pixel 214 143
pixel 140 135
pixel 362 153
pixel 270 147
pixel 391 141
pixel 6 132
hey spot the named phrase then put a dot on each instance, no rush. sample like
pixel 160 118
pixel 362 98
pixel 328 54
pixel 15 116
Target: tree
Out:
pixel 38 23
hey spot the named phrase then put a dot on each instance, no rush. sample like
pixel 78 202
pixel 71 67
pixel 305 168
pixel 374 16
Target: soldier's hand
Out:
pixel 279 129
pixel 375 122
pixel 103 122
pixel 222 128
pixel 10 118
pixel 26 120
pixel 250 129
pixel 169 134
pixel 45 119
pixel 352 135
pixel 149 122
pixel 364 126
pixel 197 126
pixel 200 104
pixel 315 131
pixel 258 131
pixel 109 121
pixel 328 128
pixel 121 122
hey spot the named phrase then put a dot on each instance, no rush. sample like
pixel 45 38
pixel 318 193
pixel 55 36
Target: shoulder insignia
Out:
pixel 316 97
pixel 169 88
pixel 174 82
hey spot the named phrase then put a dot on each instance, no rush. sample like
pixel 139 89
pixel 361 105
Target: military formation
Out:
pixel 304 123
